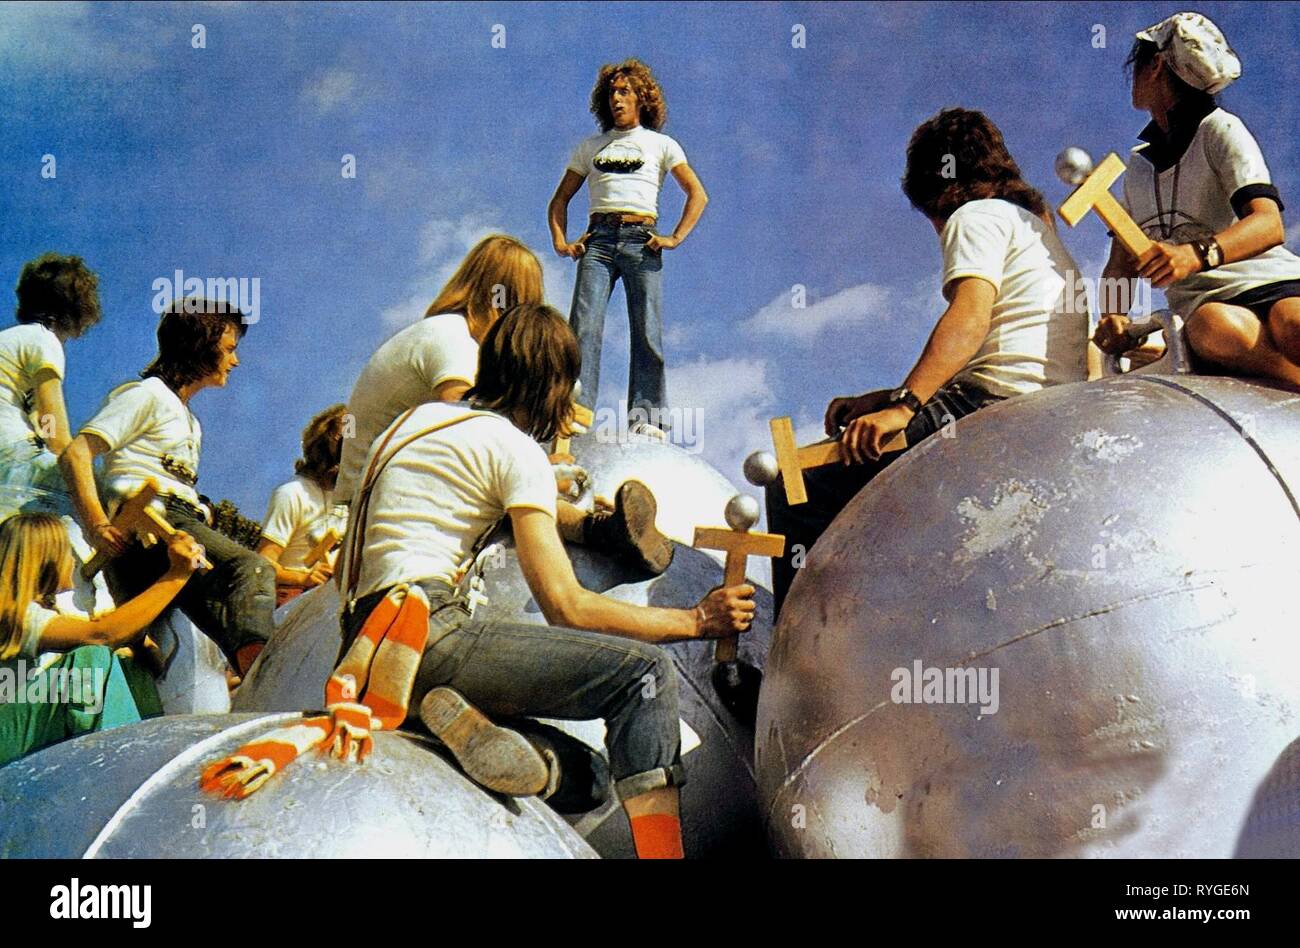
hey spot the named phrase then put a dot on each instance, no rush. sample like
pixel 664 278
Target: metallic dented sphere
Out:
pixel 1073 165
pixel 761 468
pixel 1067 630
pixel 133 792
pixel 719 805
pixel 742 512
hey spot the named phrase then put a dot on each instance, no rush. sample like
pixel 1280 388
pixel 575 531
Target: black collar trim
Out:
pixel 1163 150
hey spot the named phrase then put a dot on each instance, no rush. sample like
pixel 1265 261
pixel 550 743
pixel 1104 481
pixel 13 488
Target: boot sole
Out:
pixel 492 756
pixel 638 507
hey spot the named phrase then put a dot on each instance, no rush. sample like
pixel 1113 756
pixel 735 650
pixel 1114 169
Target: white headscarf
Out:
pixel 1196 50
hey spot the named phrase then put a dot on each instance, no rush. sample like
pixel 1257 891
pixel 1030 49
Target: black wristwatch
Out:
pixel 1210 252
pixel 904 396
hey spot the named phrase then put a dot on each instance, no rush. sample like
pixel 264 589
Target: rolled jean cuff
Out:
pixel 648 780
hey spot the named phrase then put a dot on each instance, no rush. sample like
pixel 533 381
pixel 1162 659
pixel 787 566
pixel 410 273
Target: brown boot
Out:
pixel 492 756
pixel 628 531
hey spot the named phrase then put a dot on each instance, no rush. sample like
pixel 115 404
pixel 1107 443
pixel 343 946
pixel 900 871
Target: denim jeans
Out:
pixel 618 250
pixel 832 486
pixel 515 670
pixel 233 603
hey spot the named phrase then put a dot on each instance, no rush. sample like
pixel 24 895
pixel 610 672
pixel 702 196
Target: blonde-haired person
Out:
pixel 301 510
pixel 1198 185
pixel 89 688
pixel 435 360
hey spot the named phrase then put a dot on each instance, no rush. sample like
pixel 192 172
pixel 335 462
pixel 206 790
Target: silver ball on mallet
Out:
pixel 761 468
pixel 741 513
pixel 1073 165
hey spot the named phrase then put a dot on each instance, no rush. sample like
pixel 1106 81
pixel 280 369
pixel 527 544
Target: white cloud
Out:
pixel 729 401
pixel 332 88
pixel 62 38
pixel 856 305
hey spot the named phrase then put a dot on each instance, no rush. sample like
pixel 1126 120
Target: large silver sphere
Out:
pixel 761 468
pixel 719 806
pixel 1073 165
pixel 134 792
pixel 1125 554
pixel 742 512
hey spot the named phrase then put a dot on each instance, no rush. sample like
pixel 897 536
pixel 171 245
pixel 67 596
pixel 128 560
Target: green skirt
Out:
pixel 88 689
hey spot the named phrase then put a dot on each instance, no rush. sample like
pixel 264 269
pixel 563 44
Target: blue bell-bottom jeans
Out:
pixel 617 251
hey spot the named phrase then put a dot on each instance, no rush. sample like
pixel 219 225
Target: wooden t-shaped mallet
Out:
pixel 1093 194
pixel 136 517
pixel 323 548
pixel 739 544
pixel 792 460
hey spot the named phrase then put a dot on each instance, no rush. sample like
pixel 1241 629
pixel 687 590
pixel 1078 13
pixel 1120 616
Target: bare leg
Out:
pixel 1284 327
pixel 1233 337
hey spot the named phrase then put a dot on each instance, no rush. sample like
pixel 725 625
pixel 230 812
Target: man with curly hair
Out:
pixel 624 168
pixel 1010 327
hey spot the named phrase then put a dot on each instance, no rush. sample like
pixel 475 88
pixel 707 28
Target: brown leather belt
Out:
pixel 621 219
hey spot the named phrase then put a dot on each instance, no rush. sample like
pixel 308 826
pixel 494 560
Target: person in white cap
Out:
pixel 1198 185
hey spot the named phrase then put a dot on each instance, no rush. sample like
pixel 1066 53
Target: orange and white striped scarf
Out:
pixel 380 665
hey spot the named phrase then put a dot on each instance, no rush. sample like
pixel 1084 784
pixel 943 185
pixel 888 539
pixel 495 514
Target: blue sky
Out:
pixel 225 161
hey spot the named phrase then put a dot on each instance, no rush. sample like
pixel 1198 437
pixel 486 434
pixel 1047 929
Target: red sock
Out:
pixel 246 655
pixel 657 836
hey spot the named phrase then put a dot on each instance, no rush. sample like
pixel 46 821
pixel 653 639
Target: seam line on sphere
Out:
pixel 182 760
pixel 1255 445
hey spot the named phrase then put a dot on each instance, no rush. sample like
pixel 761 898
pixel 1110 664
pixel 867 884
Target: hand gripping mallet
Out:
pixel 735 681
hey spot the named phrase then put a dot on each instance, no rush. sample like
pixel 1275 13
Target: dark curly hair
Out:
pixel 527 365
pixel 959 156
pixel 649 95
pixel 322 446
pixel 59 292
pixel 189 340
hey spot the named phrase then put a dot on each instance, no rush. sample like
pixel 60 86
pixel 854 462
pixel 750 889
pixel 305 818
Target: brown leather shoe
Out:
pixel 628 532
pixel 492 756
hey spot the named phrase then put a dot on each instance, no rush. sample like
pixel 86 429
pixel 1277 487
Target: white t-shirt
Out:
pixel 25 351
pixel 35 619
pixel 1222 158
pixel 150 432
pixel 298 516
pixel 442 492
pixel 625 169
pixel 1036 337
pixel 403 373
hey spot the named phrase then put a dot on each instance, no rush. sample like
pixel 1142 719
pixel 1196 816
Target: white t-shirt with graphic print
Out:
pixel 150 432
pixel 437 497
pixel 26 350
pixel 297 517
pixel 625 169
pixel 1196 201
pixel 1037 335
pixel 404 372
